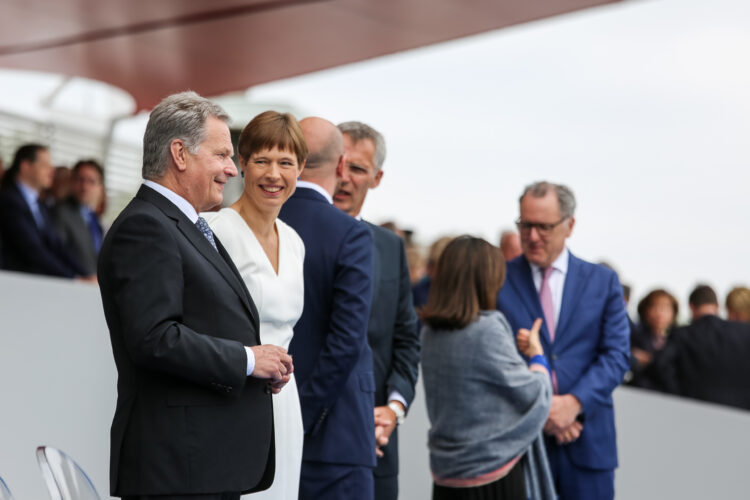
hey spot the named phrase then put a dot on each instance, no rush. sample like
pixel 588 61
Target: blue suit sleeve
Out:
pixel 347 332
pixel 595 387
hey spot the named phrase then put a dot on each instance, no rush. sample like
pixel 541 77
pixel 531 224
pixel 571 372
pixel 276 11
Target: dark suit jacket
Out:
pixel 332 361
pixel 392 333
pixel 74 232
pixel 188 419
pixel 708 360
pixel 28 249
pixel 591 350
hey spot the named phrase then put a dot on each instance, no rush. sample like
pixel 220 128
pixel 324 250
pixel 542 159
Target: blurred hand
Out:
pixel 528 340
pixel 570 434
pixel 385 423
pixel 562 413
pixel 272 362
pixel 643 357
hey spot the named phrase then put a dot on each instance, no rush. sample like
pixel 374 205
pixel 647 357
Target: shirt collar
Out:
pixel 181 203
pixel 560 263
pixel 316 187
pixel 30 194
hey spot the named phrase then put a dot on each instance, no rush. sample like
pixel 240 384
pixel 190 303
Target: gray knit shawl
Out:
pixel 485 406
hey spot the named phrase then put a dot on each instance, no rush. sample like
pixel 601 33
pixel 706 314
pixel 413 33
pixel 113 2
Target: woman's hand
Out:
pixel 528 340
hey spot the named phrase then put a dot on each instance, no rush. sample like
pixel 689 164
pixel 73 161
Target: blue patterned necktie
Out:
pixel 202 226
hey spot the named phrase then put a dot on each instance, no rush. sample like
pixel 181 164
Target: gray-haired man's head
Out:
pixel 365 154
pixel 546 221
pixel 179 116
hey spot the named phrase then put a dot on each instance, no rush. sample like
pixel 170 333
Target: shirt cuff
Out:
pixel 396 396
pixel 250 361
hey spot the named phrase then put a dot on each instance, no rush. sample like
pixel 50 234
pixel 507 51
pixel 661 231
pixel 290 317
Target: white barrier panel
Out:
pixel 57 379
pixel 58 388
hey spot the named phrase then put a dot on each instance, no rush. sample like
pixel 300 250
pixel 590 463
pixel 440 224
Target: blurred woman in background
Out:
pixel 658 316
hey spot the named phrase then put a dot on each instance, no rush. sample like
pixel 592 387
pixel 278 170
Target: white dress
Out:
pixel 279 299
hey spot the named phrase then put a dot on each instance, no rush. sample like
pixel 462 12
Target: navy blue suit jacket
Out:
pixel 332 360
pixel 591 350
pixel 26 247
pixel 392 333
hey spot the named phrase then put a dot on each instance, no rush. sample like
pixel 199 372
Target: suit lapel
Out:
pixel 572 290
pixel 220 261
pixel 525 288
pixel 376 261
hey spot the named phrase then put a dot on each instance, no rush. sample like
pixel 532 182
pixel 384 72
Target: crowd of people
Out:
pixel 272 346
pixel 50 217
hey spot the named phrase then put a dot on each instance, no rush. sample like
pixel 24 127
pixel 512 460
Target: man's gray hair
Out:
pixel 358 131
pixel 179 116
pixel 565 196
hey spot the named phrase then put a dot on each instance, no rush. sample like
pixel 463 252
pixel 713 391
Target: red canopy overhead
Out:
pixel 152 48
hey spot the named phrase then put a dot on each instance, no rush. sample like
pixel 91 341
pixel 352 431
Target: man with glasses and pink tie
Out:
pixel 584 332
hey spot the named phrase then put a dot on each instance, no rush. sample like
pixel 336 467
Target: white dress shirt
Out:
pixel 556 280
pixel 316 187
pixel 189 211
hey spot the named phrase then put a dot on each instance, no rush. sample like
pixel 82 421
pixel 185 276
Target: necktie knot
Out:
pixel 203 227
pixel 547 272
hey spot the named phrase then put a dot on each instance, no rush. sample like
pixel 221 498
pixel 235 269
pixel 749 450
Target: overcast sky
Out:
pixel 641 107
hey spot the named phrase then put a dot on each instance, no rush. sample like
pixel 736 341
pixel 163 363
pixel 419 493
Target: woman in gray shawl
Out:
pixel 486 406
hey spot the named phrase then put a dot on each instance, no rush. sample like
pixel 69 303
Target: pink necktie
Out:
pixel 548 308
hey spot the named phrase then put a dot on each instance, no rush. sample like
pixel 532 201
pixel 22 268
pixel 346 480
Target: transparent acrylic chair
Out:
pixel 4 491
pixel 64 478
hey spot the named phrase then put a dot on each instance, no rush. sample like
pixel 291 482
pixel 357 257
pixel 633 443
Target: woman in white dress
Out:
pixel 269 256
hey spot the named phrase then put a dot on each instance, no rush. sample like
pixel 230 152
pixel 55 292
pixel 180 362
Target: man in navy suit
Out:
pixel 333 362
pixel 30 243
pixel 392 331
pixel 585 334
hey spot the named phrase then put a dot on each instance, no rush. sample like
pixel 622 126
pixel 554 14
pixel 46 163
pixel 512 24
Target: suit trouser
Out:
pixel 386 488
pixel 321 481
pixel 578 483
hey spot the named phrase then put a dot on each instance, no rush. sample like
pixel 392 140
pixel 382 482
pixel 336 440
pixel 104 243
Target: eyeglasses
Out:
pixel 544 229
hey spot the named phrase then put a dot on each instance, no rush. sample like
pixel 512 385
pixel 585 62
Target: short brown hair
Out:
pixel 470 273
pixel 738 301
pixel 269 130
pixel 646 302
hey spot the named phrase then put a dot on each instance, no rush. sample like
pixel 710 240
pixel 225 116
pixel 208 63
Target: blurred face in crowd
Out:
pixel 660 315
pixel 358 176
pixel 542 245
pixel 207 171
pixel 87 186
pixel 510 245
pixel 39 173
pixel 271 178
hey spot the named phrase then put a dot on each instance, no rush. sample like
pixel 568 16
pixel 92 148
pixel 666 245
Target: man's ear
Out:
pixel 178 151
pixel 340 166
pixel 378 178
pixel 570 227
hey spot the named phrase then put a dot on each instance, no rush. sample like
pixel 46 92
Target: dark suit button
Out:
pixel 267 389
pixel 227 390
pixel 554 357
